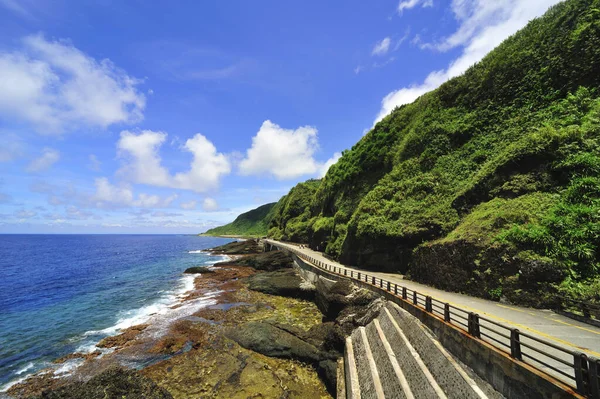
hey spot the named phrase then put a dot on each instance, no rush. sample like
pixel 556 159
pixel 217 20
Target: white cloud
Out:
pixel 94 164
pixel 144 166
pixel 410 4
pixel 283 153
pixel 382 47
pixel 330 162
pixel 48 158
pixel 188 205
pixel 55 87
pixel 108 195
pixel 14 6
pixel 483 26
pixel 358 69
pixel 25 214
pixel 210 205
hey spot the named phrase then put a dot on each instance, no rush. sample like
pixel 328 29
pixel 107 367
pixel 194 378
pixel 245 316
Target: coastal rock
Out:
pixel 115 382
pixel 198 269
pixel 333 299
pixel 327 370
pixel 283 283
pixel 271 341
pixel 122 339
pixel 237 248
pixel 78 355
pixel 268 261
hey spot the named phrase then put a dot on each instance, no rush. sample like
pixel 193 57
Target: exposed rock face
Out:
pixel 332 299
pixel 285 282
pixel 238 248
pixel 113 383
pixel 268 261
pixel 272 341
pixel 122 339
pixel 197 270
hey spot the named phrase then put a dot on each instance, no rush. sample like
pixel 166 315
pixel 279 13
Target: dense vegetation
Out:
pixel 250 224
pixel 488 185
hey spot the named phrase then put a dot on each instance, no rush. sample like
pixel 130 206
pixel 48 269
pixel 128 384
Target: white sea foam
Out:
pixel 197 251
pixel 8 385
pixel 67 368
pixel 28 367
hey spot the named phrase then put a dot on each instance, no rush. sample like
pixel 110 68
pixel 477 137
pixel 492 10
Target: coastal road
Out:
pixel 544 324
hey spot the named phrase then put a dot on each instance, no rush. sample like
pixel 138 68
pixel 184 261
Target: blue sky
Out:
pixel 172 117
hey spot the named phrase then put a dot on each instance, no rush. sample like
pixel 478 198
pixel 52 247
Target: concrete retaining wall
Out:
pixel 514 379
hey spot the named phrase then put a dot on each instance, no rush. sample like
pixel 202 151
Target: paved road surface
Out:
pixel 544 324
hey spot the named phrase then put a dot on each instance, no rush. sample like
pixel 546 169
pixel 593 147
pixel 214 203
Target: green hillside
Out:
pixel 488 185
pixel 250 224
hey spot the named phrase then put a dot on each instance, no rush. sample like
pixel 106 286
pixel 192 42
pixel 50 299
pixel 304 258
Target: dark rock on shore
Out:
pixel 268 261
pixel 197 269
pixel 283 283
pixel 272 341
pixel 333 299
pixel 115 382
pixel 237 248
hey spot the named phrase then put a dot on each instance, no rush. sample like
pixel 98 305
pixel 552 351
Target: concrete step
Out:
pixel 448 374
pixel 393 380
pixel 368 375
pixel 352 390
pixel 421 382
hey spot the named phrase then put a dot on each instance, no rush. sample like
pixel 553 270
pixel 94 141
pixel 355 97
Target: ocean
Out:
pixel 63 293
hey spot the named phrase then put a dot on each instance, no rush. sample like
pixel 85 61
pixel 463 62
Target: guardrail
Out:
pixel 578 370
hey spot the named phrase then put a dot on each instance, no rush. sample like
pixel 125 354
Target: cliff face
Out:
pixel 488 185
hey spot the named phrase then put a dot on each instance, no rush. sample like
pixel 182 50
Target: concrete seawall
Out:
pixel 511 378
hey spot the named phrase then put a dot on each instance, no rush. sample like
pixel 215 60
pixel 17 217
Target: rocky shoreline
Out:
pixel 269 334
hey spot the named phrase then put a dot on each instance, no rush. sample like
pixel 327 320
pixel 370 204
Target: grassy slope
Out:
pixel 489 184
pixel 251 223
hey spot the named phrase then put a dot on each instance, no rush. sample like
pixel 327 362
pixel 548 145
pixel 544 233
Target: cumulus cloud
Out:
pixel 48 158
pixel 483 25
pixel 108 195
pixel 329 163
pixel 144 163
pixel 283 153
pixel 382 47
pixel 409 4
pixel 210 205
pixel 55 87
pixel 188 205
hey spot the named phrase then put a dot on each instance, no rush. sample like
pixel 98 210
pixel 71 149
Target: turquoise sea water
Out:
pixel 63 293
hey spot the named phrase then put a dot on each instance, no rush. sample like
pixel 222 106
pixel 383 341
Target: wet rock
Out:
pixel 271 341
pixel 77 355
pixel 360 315
pixel 268 261
pixel 198 269
pixel 122 339
pixel 283 283
pixel 237 248
pixel 116 382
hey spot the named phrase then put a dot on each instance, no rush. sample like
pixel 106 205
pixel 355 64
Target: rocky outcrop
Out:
pixel 237 248
pixel 116 382
pixel 332 299
pixel 268 261
pixel 197 270
pixel 122 339
pixel 283 283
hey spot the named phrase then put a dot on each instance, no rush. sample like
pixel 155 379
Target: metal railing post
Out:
pixel 428 304
pixel 345 271
pixel 474 325
pixel 380 283
pixel 594 372
pixel 415 298
pixel 580 363
pixel 358 275
pixel 389 288
pixel 396 289
pixel 373 280
pixel 404 293
pixel 515 344
pixel 447 313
